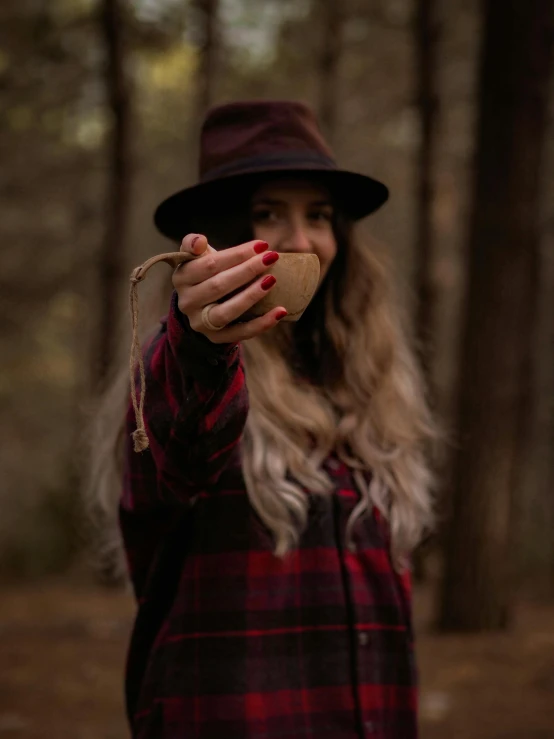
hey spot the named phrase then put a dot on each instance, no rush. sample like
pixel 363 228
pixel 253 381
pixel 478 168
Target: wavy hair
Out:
pixel 342 379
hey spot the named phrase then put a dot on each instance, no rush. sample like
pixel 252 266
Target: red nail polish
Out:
pixel 282 313
pixel 270 258
pixel 268 282
pixel 261 246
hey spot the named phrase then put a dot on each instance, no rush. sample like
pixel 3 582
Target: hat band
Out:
pixel 292 159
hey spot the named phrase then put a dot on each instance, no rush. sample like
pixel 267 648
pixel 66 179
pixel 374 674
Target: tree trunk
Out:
pixel 548 305
pixel 499 317
pixel 551 498
pixel 426 37
pixel 112 262
pixel 332 18
pixel 426 32
pixel 208 50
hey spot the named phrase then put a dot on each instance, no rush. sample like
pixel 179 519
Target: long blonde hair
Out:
pixel 343 379
pixel 367 404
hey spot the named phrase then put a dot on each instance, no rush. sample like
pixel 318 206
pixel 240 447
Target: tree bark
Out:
pixel 496 351
pixel 208 50
pixel 426 37
pixel 426 33
pixel 548 304
pixel 332 13
pixel 112 260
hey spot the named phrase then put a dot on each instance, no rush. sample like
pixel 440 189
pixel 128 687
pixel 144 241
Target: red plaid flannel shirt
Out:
pixel 231 642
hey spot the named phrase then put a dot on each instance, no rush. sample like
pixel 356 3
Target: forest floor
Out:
pixel 63 644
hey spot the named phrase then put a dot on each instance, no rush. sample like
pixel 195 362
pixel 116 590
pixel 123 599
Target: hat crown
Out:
pixel 243 143
pixel 259 130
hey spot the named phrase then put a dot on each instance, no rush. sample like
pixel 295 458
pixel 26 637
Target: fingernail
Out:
pixel 270 258
pixel 268 282
pixel 261 246
pixel 193 242
pixel 282 313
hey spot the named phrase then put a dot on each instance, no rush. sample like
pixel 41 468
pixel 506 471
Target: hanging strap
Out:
pixel 174 259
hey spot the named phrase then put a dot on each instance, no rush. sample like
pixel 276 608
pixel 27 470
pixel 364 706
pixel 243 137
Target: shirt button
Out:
pixel 363 639
pixel 370 725
pixel 333 465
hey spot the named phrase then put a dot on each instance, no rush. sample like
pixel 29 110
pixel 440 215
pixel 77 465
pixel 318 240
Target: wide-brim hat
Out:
pixel 242 143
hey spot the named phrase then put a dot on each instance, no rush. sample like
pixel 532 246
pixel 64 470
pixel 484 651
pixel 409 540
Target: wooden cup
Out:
pixel 297 278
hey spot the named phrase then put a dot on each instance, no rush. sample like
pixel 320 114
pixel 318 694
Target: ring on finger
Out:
pixel 206 318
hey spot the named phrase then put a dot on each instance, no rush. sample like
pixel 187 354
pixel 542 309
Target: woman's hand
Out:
pixel 215 274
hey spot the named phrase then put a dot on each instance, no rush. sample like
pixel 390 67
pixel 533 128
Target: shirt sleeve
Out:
pixel 195 408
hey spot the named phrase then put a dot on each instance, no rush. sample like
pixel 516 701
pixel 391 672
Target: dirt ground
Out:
pixel 62 649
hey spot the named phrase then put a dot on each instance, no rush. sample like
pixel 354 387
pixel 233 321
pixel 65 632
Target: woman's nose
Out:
pixel 297 240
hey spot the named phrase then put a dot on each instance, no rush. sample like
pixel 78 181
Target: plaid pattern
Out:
pixel 229 641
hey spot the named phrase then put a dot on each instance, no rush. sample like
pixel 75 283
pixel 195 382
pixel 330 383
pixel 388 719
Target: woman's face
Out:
pixel 295 216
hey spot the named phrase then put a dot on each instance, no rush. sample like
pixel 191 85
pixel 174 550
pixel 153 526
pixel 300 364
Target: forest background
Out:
pixel 448 102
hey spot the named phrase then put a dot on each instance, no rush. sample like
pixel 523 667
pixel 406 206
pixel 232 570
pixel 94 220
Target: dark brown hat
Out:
pixel 241 143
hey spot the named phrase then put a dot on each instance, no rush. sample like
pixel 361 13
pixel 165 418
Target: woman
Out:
pixel 269 525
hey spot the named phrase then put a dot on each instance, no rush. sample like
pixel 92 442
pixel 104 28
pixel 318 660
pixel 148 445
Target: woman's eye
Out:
pixel 263 216
pixel 321 215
